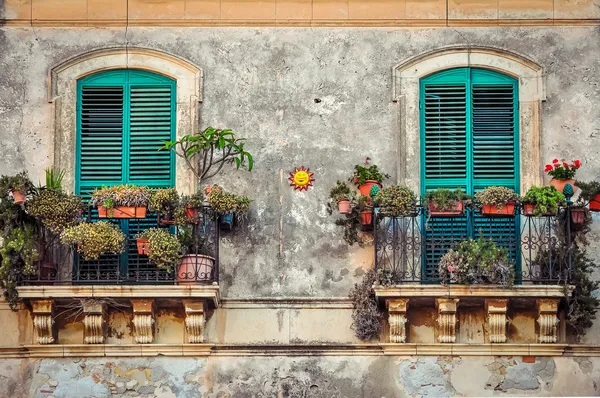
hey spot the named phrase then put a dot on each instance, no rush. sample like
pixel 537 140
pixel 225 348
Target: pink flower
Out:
pixel 451 268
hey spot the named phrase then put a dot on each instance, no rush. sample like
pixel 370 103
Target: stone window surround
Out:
pixel 62 93
pixel 406 79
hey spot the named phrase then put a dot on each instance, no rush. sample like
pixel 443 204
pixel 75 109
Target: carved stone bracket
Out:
pixel 397 319
pixel 446 308
pixel 94 323
pixel 143 320
pixel 42 320
pixel 194 320
pixel 547 319
pixel 496 313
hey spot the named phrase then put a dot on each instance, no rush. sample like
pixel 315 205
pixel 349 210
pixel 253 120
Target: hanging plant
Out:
pixel 94 239
pixel 16 187
pixel 163 248
pixel 55 209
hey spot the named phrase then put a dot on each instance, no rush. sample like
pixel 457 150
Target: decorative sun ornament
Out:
pixel 301 178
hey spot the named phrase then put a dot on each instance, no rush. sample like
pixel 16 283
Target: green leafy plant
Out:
pixel 545 199
pixel 444 199
pixel 562 170
pixel 16 183
pixel 589 190
pixel 477 261
pixel 121 195
pixel 340 191
pixel 496 196
pixel 55 209
pixel 192 243
pixel 54 179
pixel 94 239
pixel 194 201
pixel 243 204
pixel 396 201
pixel 364 173
pixel 164 201
pixel 207 152
pixel 224 202
pixel 164 247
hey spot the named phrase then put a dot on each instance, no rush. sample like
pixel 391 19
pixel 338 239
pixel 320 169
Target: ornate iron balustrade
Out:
pixel 409 248
pixel 199 265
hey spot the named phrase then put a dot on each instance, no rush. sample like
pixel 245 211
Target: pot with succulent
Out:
pixel 562 173
pixel 227 205
pixel 342 196
pixel 542 201
pixel 396 201
pixel 164 202
pixel 16 187
pixel 94 239
pixel 443 202
pixel 365 208
pixel 162 247
pixel 366 176
pixel 590 194
pixel 197 265
pixel 497 201
pixel 477 261
pixel 192 205
pixel 121 201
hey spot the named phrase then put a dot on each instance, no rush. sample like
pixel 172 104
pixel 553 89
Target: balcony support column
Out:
pixel 548 320
pixel 43 321
pixel 94 323
pixel 143 320
pixel 496 314
pixel 194 320
pixel 446 331
pixel 397 319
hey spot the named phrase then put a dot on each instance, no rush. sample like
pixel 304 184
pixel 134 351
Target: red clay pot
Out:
pixel 143 246
pixel 365 189
pixel 508 210
pixel 19 197
pixel 366 217
pixel 595 203
pixel 560 184
pixel 458 210
pixel 122 212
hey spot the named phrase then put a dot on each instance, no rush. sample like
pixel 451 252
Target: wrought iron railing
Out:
pixel 199 264
pixel 409 248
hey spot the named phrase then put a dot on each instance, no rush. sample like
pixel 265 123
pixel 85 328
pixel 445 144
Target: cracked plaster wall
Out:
pixel 301 377
pixel 314 97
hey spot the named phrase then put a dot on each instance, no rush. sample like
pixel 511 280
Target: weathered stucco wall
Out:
pixel 300 377
pixel 314 97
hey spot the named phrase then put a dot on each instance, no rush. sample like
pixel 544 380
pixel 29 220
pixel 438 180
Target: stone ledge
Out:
pixel 205 350
pixel 532 291
pixel 209 292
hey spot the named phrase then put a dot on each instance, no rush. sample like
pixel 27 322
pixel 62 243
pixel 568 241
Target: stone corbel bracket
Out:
pixel 397 319
pixel 143 320
pixel 94 323
pixel 43 321
pixel 447 320
pixel 195 320
pixel 496 317
pixel 547 319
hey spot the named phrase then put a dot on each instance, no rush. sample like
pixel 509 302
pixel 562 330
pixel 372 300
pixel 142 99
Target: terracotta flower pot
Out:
pixel 19 197
pixel 344 206
pixel 195 268
pixel 577 215
pixel 366 217
pixel 191 214
pixel 456 212
pixel 143 246
pixel 560 184
pixel 529 210
pixel 122 212
pixel 365 189
pixel 508 210
pixel 595 203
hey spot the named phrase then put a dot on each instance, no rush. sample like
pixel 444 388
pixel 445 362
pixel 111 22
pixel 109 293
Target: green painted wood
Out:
pixel 469 140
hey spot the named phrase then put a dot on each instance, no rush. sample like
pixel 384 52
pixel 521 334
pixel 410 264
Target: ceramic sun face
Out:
pixel 301 178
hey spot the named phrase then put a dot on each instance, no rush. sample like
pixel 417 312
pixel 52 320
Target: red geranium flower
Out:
pixel 566 164
pixel 555 161
pixel 577 163
pixel 548 168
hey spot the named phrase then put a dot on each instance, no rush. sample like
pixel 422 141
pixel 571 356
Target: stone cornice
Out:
pixel 375 349
pixel 489 291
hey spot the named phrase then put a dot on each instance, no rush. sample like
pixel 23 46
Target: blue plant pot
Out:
pixel 226 221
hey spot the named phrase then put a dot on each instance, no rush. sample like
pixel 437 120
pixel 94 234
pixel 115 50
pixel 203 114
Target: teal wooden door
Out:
pixel 123 117
pixel 469 140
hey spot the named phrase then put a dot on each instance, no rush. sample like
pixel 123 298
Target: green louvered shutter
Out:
pixel 469 131
pixel 123 118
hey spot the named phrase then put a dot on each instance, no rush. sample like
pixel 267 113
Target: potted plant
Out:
pixel 578 215
pixel 121 201
pixel 161 247
pixel 94 239
pixel 226 205
pixel 164 201
pixel 497 201
pixel 396 201
pixel 562 173
pixel 197 264
pixel 476 261
pixel 343 196
pixel 365 207
pixel 590 193
pixel 542 201
pixel 55 209
pixel 443 202
pixel 366 176
pixel 16 187
pixel 192 205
